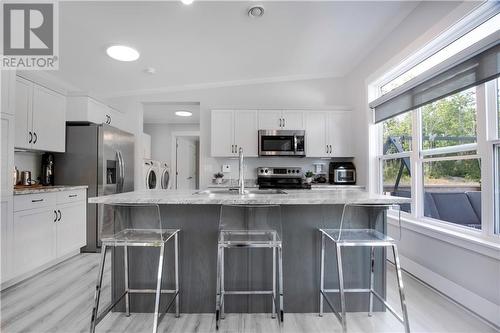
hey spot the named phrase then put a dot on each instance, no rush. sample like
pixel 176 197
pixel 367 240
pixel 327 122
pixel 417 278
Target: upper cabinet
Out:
pixel 281 119
pixel 40 117
pixel 328 134
pixel 8 94
pixel 232 130
pixel 87 109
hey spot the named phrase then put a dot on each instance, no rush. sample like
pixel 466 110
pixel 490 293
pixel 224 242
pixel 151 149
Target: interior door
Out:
pixel 270 119
pixel 186 164
pixel 23 120
pixel 316 134
pixel 293 120
pixel 49 120
pixel 245 132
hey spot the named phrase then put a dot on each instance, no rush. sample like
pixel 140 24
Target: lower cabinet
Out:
pixel 46 227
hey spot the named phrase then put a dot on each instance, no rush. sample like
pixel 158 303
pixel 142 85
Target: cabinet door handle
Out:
pixel 36 137
pixel 331 150
pixel 327 149
pixel 109 117
pixel 37 200
pixel 31 137
pixel 55 219
pixel 284 122
pixel 72 195
pixel 60 215
pixel 280 123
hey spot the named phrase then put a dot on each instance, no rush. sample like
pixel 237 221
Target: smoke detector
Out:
pixel 256 11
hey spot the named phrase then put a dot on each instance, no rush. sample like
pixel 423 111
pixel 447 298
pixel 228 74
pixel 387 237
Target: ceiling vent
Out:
pixel 256 11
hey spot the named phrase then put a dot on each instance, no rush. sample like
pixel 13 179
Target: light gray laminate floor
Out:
pixel 60 300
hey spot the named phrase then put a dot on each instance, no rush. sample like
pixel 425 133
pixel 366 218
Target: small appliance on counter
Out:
pixel 342 173
pixel 320 172
pixel 47 169
pixel 281 178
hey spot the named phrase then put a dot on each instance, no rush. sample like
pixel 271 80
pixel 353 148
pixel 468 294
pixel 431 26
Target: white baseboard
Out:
pixel 27 275
pixel 475 303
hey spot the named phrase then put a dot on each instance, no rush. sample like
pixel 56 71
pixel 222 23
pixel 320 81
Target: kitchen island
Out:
pixel 197 215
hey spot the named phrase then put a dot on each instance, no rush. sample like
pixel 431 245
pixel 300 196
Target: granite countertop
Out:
pixel 292 197
pixel 47 189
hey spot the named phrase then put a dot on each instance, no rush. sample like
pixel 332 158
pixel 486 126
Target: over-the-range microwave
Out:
pixel 282 143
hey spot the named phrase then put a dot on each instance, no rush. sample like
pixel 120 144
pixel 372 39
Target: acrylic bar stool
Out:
pixel 135 225
pixel 346 237
pixel 250 226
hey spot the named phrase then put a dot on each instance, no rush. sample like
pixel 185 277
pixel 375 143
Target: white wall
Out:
pixel 309 94
pixel 161 138
pixel 464 270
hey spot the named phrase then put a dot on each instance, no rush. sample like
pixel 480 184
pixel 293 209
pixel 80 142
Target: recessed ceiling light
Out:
pixel 256 11
pixel 122 53
pixel 187 2
pixel 183 113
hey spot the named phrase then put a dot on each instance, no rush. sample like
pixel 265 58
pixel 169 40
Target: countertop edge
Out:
pixel 56 188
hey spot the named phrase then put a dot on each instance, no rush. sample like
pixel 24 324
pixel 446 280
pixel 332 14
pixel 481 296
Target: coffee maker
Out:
pixel 47 169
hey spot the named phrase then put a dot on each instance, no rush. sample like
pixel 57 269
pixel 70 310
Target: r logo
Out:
pixel 28 29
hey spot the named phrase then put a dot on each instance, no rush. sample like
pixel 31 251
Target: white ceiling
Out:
pixel 213 42
pixel 164 113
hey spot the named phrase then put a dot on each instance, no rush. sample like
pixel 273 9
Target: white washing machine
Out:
pixel 165 176
pixel 151 174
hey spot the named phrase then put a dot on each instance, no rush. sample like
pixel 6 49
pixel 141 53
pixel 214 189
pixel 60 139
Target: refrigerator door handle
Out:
pixel 121 167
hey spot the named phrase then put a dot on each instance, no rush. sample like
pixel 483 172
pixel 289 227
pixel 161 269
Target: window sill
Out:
pixel 468 239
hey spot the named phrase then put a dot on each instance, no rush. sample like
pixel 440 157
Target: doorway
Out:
pixel 187 148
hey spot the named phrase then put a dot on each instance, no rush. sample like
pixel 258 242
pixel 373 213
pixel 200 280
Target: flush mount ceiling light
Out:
pixel 256 11
pixel 122 53
pixel 187 2
pixel 183 113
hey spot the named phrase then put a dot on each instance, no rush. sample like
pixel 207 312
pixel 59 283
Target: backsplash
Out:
pixel 29 161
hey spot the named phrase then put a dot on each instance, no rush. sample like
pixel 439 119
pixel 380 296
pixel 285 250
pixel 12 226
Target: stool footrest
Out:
pixel 352 290
pixel 108 308
pixel 249 292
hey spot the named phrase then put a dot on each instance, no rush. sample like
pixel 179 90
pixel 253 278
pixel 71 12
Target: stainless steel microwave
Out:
pixel 282 143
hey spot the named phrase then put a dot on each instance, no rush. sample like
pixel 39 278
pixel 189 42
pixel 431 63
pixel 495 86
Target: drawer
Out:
pixel 71 196
pixel 32 201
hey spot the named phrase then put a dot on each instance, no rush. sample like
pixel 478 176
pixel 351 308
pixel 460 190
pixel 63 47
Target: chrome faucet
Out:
pixel 241 178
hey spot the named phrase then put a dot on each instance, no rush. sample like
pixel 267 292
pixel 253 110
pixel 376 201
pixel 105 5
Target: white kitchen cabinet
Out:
pixel 270 119
pixel 281 119
pixel 87 109
pixel 33 239
pixel 232 129
pixel 222 137
pixel 23 123
pixel 40 115
pixel 245 132
pixel 6 217
pixel 8 91
pixel 70 227
pixel 316 134
pixel 7 154
pixel 339 134
pixel 328 134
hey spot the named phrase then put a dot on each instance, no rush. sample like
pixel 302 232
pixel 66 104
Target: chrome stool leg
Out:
pixel 280 274
pixel 401 288
pixel 273 315
pixel 127 296
pixel 322 275
pixel 222 291
pixel 177 309
pixel 158 289
pixel 97 294
pixel 217 299
pixel 341 288
pixel 372 277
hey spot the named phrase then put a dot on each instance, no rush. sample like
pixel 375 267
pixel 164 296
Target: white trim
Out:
pixel 480 306
pixel 451 158
pixel 396 156
pixel 450 149
pixel 472 240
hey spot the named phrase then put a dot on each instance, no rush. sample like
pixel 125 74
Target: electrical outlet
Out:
pixel 226 168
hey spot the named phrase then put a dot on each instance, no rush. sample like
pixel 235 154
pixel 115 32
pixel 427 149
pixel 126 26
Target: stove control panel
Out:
pixel 281 172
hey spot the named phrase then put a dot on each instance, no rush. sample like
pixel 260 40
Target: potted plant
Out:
pixel 218 177
pixel 309 176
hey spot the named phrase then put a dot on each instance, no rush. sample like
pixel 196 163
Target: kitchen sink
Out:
pixel 234 191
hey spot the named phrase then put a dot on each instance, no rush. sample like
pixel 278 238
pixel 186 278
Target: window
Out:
pixel 487 28
pixel 498 106
pixel 397 145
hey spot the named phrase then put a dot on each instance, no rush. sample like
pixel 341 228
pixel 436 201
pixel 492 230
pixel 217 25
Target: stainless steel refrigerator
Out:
pixel 101 157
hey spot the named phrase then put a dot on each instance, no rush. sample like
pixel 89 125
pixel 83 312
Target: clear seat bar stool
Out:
pixel 128 226
pixel 250 226
pixel 346 237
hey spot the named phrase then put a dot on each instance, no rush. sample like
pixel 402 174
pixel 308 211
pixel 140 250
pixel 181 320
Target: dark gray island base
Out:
pixel 251 268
